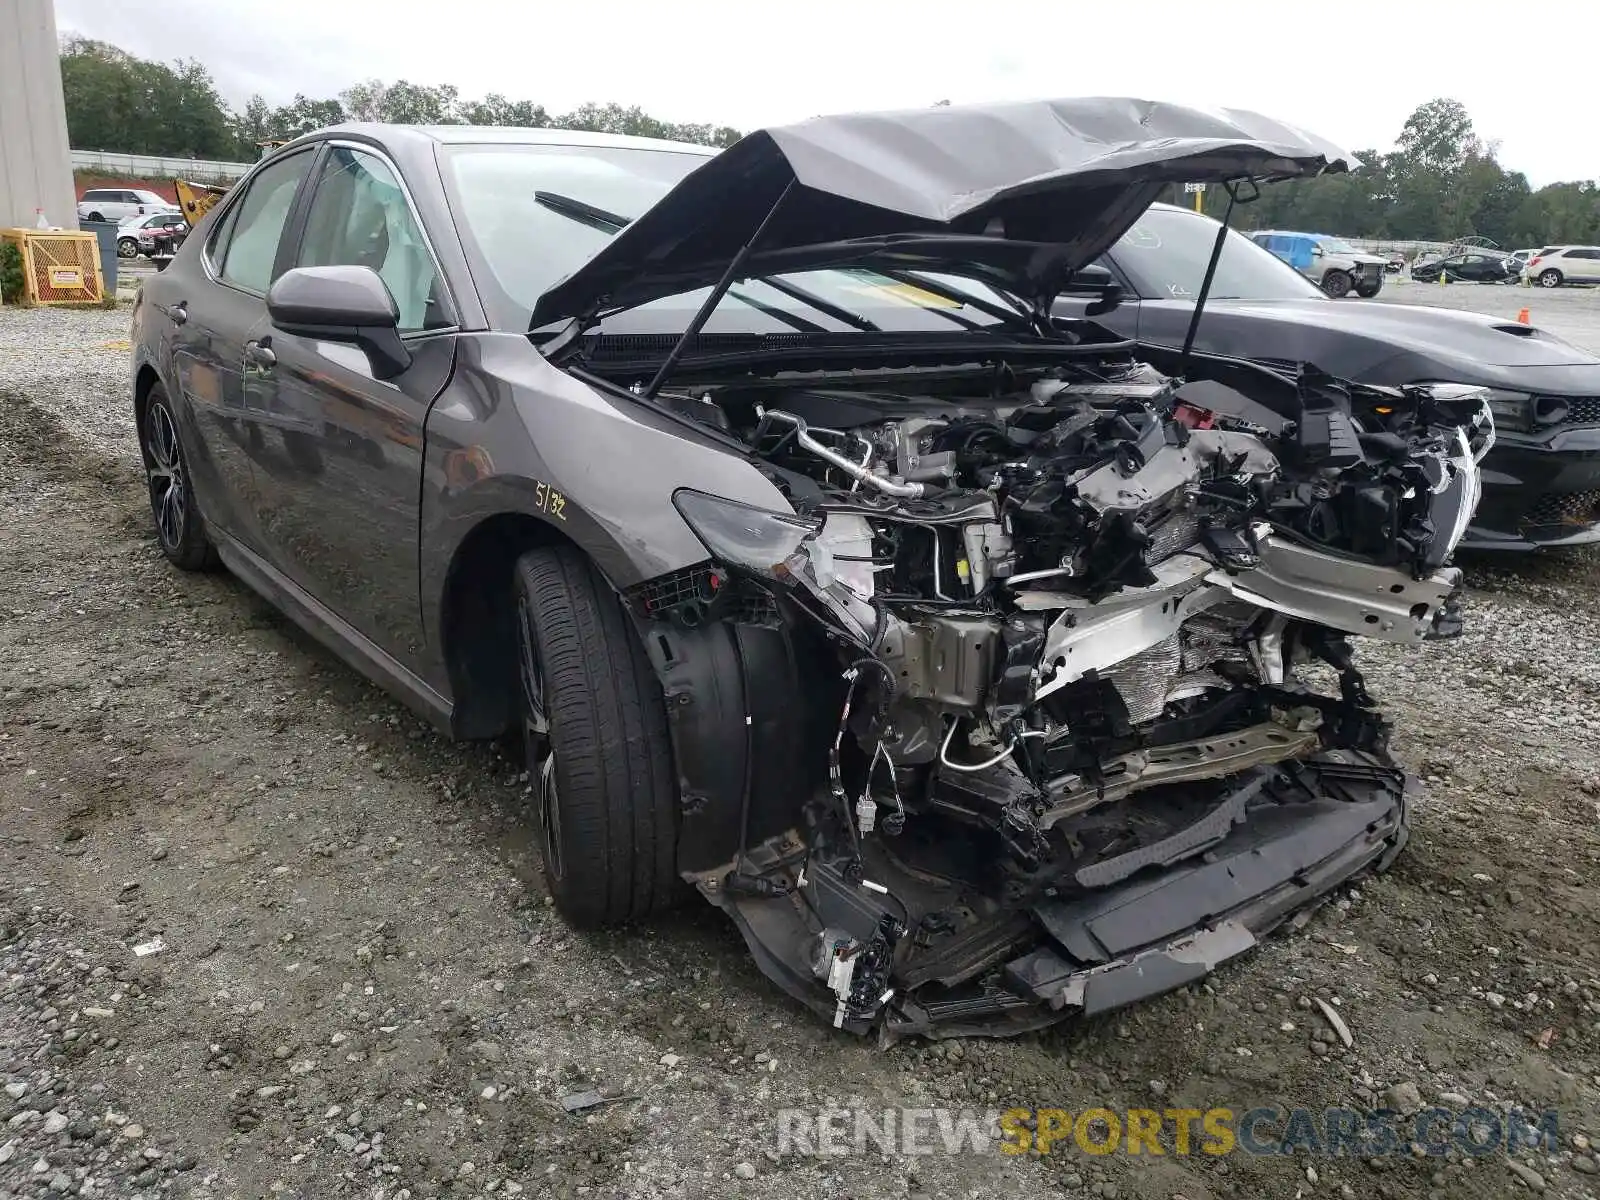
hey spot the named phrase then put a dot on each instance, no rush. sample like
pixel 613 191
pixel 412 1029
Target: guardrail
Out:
pixel 144 166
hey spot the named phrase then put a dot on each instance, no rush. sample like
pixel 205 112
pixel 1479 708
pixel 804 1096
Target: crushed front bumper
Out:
pixel 1167 915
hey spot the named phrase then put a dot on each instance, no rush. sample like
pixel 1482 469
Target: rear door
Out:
pixel 341 514
pixel 224 300
pixel 1583 264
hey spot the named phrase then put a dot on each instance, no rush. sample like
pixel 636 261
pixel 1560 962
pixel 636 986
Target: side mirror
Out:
pixel 1316 252
pixel 1097 281
pixel 341 304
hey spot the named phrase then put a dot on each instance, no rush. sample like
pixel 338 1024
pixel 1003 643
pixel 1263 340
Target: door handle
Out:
pixel 179 312
pixel 260 353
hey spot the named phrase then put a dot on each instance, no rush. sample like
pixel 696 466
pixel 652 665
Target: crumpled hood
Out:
pixel 1070 176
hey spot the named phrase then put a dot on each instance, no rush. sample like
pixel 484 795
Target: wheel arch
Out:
pixel 143 384
pixel 476 607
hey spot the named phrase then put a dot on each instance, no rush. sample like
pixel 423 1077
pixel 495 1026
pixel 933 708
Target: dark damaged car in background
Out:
pixel 967 662
pixel 1541 482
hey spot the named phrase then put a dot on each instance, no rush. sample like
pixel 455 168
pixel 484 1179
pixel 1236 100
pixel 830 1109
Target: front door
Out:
pixel 222 300
pixel 339 493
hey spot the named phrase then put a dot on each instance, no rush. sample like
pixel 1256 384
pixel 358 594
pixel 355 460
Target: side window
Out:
pixel 359 217
pixel 248 243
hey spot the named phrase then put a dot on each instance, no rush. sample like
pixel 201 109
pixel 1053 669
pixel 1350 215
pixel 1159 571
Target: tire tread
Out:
pixel 608 726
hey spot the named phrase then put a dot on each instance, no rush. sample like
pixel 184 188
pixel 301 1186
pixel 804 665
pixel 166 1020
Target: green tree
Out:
pixel 1441 182
pixel 303 115
pixel 401 103
pixel 117 102
pixel 495 109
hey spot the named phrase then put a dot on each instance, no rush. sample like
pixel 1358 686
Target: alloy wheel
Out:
pixel 540 755
pixel 169 488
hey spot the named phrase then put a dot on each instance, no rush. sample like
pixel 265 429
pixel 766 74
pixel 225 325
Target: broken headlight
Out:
pixel 743 536
pixel 1512 410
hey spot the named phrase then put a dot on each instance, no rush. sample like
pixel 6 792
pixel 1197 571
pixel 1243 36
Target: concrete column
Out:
pixel 35 160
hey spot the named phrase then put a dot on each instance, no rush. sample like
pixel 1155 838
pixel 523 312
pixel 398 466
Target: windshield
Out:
pixel 531 215
pixel 1165 254
pixel 1337 245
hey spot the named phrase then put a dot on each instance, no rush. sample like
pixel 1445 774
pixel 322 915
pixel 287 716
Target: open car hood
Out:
pixel 1003 181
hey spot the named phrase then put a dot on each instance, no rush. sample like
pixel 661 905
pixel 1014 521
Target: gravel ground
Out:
pixel 262 934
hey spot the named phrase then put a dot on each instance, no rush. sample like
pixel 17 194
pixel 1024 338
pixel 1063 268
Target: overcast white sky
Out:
pixel 1351 72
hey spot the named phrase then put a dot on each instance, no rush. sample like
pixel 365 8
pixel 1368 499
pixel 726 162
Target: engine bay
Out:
pixel 1082 623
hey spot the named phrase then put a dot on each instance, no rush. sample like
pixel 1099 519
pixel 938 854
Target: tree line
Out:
pixel 131 105
pixel 1441 181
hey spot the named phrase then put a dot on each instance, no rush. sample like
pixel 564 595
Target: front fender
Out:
pixel 513 434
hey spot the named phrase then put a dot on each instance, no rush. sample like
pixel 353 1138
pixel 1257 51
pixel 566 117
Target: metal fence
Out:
pixel 144 166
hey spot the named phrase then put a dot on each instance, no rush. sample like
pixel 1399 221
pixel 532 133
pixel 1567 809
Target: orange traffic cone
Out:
pixel 1522 316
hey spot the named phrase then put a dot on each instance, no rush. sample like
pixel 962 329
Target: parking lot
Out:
pixel 263 934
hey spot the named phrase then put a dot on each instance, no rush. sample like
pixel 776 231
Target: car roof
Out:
pixel 499 135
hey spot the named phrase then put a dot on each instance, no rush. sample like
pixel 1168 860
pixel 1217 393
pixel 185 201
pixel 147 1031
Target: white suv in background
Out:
pixel 118 204
pixel 1556 265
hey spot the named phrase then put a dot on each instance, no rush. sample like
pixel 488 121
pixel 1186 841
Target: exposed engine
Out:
pixel 1074 618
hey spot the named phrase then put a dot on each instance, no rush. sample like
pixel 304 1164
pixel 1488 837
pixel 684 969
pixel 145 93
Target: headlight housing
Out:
pixel 1518 411
pixel 742 536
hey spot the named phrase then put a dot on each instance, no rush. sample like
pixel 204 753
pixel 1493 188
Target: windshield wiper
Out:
pixel 578 210
pixel 1000 312
pixel 821 304
pixel 610 222
pixel 782 315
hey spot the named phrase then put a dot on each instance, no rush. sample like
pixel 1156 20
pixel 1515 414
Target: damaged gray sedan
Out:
pixel 982 674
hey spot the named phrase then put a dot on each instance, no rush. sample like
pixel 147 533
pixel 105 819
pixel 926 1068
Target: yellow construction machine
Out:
pixel 196 199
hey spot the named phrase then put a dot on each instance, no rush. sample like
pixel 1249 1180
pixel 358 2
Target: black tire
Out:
pixel 94 216
pixel 595 729
pixel 1337 284
pixel 127 248
pixel 180 527
pixel 1550 278
pixel 1367 292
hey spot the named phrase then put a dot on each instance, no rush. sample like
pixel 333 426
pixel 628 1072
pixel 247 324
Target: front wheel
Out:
pixel 94 216
pixel 594 725
pixel 127 247
pixel 1336 284
pixel 1550 278
pixel 180 528
pixel 1367 291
